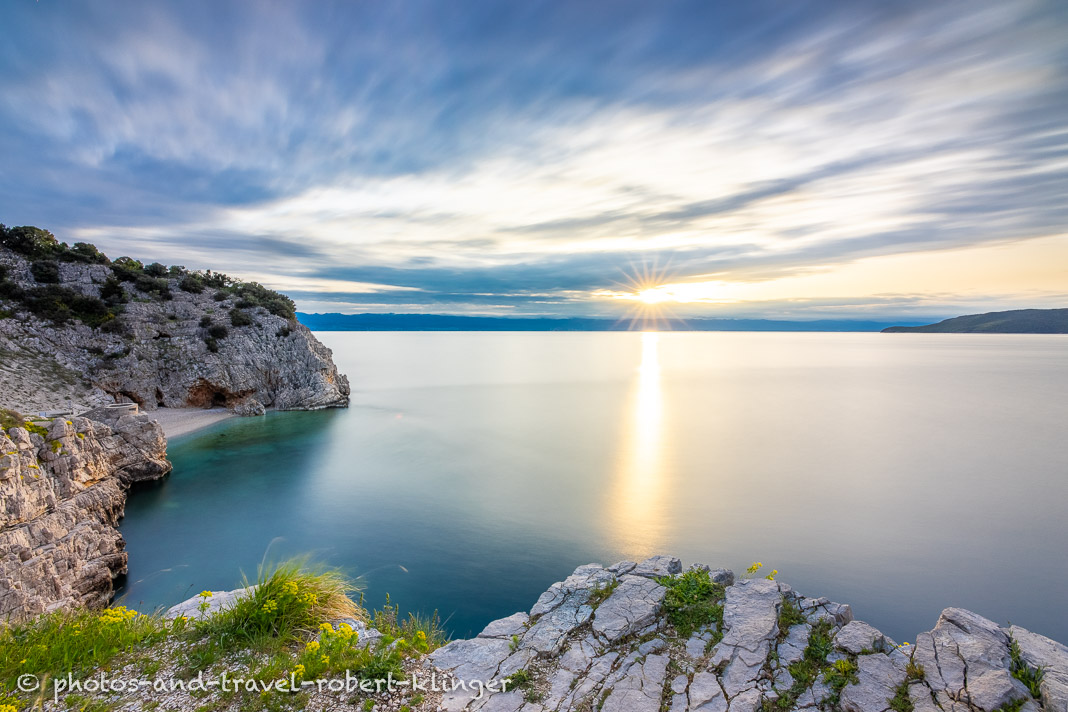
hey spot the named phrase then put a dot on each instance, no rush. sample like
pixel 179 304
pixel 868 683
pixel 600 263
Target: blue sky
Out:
pixel 782 159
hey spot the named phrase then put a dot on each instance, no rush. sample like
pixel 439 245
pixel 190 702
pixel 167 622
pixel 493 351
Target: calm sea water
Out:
pixel 900 473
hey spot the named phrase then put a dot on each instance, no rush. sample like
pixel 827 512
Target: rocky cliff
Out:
pixel 61 497
pixel 75 326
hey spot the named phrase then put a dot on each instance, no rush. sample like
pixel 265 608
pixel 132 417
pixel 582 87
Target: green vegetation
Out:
pixel 45 271
pixel 522 680
pixel 48 299
pixel 13 419
pixel 10 419
pixel 287 601
pixel 600 594
pixel 1014 706
pixel 693 600
pixel 789 615
pixel 239 317
pixel 1029 676
pixel 288 627
pixel 73 641
pixel 837 676
pixel 37 244
pixel 805 671
pixel 902 701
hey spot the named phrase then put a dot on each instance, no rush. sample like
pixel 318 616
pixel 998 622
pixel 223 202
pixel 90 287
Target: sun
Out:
pixel 655 295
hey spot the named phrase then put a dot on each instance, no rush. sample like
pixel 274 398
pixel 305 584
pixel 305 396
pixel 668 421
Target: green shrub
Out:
pixel 45 271
pixel 218 331
pixel 205 321
pixel 112 291
pixel 253 294
pixel 212 344
pixel 153 285
pixel 156 270
pixel 61 304
pixel 191 284
pixel 32 242
pixel 693 600
pixel 127 269
pixel 220 296
pixel 85 252
pixel 240 318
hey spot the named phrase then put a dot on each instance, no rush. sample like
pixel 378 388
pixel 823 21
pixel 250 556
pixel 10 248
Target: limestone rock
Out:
pixel 157 354
pixel 858 637
pixel 249 407
pixel 619 658
pixel 878 681
pixel 657 566
pixel 631 608
pixel 207 604
pixel 61 499
pixel 1041 652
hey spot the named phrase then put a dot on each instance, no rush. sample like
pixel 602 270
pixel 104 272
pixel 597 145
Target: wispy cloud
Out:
pixel 524 158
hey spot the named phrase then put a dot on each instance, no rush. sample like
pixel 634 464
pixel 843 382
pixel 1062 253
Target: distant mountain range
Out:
pixel 1019 321
pixel 444 322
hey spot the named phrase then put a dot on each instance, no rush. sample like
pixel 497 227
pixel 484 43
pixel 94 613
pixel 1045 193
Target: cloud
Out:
pixel 525 156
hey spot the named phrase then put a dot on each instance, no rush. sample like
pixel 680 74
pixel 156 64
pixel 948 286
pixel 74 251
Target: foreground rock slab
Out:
pixel 601 640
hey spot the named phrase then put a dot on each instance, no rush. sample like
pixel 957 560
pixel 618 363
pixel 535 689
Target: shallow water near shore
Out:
pixel 900 473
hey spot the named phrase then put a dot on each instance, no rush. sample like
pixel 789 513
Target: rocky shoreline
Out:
pixel 605 640
pixel 62 494
pixel 169 341
pixel 621 654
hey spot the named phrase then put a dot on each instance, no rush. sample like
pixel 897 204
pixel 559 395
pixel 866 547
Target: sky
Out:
pixel 760 159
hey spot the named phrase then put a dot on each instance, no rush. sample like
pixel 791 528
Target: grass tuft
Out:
pixel 287 601
pixel 1029 676
pixel 600 594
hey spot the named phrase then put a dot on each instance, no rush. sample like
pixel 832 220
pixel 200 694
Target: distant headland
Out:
pixel 1018 321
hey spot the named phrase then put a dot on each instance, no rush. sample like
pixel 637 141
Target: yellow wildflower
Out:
pixel 289 588
pixel 205 594
pixel 312 646
pixel 298 670
pixel 326 627
pixel 325 660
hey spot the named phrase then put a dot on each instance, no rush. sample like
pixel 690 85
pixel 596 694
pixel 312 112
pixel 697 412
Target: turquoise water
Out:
pixel 901 473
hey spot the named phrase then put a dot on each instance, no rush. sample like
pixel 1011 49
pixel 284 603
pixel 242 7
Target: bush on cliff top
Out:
pixel 37 244
pixel 43 249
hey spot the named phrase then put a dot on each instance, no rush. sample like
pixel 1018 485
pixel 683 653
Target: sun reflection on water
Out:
pixel 636 515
